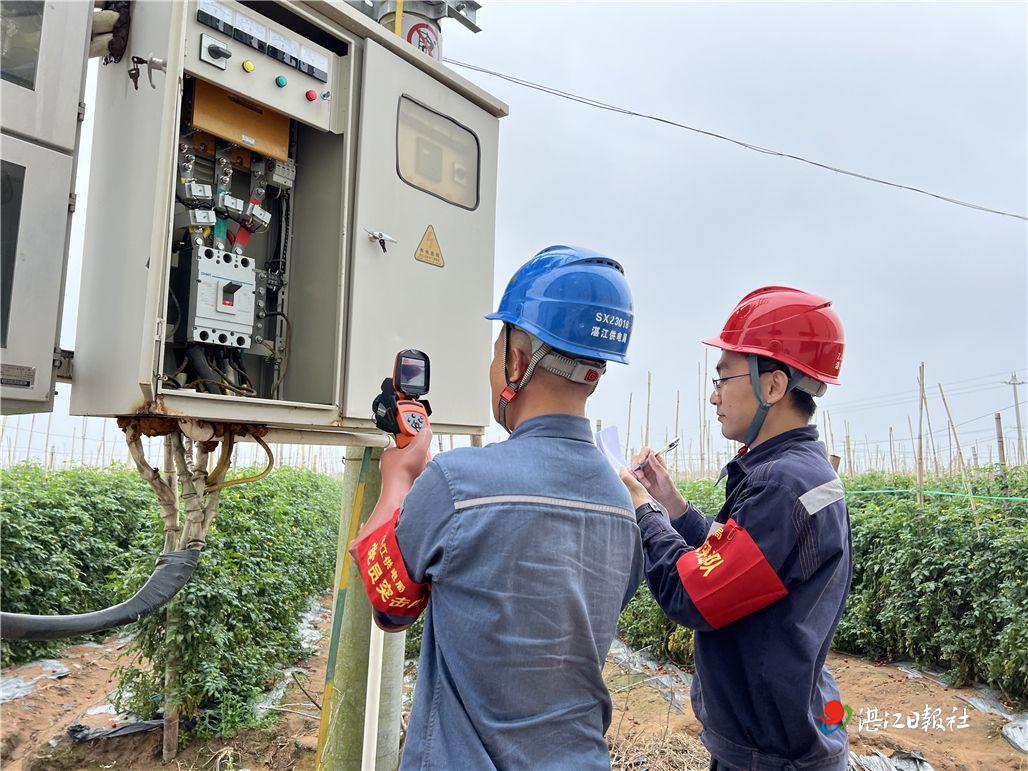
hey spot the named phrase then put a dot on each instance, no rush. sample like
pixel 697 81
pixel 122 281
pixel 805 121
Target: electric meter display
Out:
pixel 436 154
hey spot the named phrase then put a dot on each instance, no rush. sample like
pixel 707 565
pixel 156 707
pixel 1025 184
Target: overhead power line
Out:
pixel 747 145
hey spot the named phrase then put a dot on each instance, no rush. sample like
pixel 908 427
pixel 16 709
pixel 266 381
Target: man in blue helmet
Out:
pixel 525 551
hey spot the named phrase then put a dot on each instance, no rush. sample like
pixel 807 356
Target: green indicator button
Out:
pixel 280 81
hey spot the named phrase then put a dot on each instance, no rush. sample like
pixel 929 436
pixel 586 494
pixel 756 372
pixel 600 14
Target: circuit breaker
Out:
pixel 222 291
pixel 283 195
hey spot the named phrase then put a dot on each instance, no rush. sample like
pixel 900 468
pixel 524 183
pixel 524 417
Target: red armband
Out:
pixel 384 573
pixel 729 577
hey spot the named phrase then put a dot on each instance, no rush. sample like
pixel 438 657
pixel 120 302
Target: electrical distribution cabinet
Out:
pixel 282 196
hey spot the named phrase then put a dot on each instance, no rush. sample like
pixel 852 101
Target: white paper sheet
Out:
pixel 610 445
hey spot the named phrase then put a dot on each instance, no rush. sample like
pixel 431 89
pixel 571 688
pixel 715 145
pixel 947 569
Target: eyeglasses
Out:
pixel 717 381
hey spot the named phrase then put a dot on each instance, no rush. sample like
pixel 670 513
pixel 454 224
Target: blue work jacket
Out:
pixel 531 549
pixel 764 585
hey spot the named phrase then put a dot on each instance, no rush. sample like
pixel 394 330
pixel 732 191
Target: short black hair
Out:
pixel 802 402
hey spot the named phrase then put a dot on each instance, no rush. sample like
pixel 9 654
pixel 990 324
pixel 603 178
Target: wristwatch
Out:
pixel 646 508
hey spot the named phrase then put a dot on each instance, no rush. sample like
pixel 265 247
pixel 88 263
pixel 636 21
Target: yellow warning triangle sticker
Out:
pixel 429 250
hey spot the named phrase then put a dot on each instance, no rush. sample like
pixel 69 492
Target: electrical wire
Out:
pixel 747 145
pixel 178 315
pixel 225 380
pixel 285 351
pixel 220 384
pixel 223 460
pixel 944 430
pixel 235 361
pixel 244 480
pixel 911 393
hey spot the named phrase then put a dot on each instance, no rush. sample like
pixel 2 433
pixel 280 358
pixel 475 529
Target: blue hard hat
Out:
pixel 575 300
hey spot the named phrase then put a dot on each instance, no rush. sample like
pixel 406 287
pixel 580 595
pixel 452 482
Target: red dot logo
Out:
pixel 592 376
pixel 836 715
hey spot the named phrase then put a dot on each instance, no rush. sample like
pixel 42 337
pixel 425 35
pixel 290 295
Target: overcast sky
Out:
pixel 928 95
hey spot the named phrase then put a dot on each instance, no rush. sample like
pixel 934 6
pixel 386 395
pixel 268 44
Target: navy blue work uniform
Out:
pixel 764 585
pixel 529 549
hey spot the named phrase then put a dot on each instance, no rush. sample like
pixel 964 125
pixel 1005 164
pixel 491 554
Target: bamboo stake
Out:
pixel 710 448
pixel 699 416
pixel 960 455
pixel 649 389
pixel 931 439
pixel 831 435
pixel 913 444
pixel 28 446
pixel 678 431
pixel 628 427
pixel 82 454
pixel 892 451
pixel 920 436
pixel 705 421
pixel 949 456
pixel 17 437
pixel 849 449
pixel 46 435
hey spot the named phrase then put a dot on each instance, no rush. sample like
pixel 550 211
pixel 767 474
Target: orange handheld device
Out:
pixel 400 409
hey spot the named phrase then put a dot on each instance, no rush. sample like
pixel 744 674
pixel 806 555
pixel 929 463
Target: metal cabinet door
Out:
pixel 396 300
pixel 44 48
pixel 128 223
pixel 42 71
pixel 34 201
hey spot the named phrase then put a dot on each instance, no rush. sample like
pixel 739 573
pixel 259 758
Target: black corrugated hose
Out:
pixel 173 571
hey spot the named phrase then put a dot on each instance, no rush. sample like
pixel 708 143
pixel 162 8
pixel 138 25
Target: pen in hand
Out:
pixel 671 445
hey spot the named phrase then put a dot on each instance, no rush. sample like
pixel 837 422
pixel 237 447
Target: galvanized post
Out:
pixel 342 725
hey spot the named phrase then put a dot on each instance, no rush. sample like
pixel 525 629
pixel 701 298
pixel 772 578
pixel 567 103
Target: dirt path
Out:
pixel 978 747
pixel 640 712
pixel 27 724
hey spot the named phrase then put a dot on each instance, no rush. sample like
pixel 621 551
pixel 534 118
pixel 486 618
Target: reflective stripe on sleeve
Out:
pixel 728 577
pixel 822 496
pixel 384 573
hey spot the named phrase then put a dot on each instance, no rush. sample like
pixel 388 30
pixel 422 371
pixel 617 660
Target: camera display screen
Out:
pixel 412 373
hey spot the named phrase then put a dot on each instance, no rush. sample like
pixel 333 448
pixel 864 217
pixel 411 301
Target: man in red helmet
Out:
pixel 764 582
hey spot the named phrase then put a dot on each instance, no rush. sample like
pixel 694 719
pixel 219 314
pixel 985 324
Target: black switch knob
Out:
pixel 218 51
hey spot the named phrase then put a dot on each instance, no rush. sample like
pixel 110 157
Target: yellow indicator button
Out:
pixel 248 65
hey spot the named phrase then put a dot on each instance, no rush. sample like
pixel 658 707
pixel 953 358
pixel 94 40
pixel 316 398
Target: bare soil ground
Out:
pixel 643 712
pixel 643 726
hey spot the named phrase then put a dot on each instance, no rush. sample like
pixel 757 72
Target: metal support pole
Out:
pixel 343 706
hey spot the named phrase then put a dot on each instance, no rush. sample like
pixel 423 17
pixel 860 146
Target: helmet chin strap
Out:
pixel 762 406
pixel 584 371
pixel 510 393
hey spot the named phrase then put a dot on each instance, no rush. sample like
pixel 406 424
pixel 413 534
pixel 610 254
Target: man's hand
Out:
pixel 401 467
pixel 656 480
pixel 635 489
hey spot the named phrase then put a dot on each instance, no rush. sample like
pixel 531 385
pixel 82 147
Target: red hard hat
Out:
pixel 789 325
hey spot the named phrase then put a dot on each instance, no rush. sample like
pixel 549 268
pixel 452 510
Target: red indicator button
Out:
pixel 312 95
